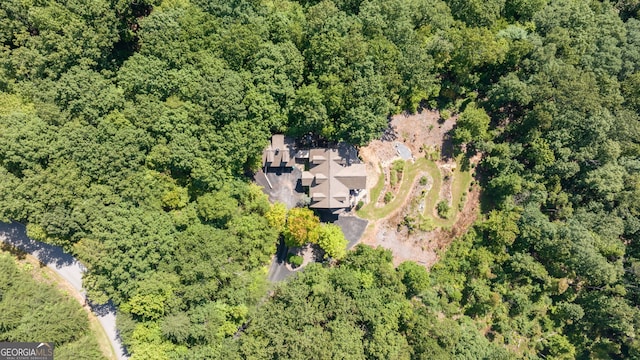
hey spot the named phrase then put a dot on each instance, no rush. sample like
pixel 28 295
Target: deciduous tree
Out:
pixel 303 227
pixel 331 239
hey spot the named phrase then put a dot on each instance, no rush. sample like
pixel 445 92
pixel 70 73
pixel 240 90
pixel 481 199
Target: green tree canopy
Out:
pixel 472 125
pixel 332 241
pixel 303 227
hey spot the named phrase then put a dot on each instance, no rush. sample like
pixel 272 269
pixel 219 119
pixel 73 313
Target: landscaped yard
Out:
pixel 459 185
pixel 411 175
pixel 373 212
pixel 408 222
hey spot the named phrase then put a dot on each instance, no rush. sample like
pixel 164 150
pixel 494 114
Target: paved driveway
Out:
pixel 282 186
pixel 353 227
pixel 69 269
pixel 278 270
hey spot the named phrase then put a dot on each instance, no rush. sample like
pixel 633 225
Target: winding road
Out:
pixel 70 269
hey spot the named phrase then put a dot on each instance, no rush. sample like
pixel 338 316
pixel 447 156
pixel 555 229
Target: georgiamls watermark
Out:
pixel 26 351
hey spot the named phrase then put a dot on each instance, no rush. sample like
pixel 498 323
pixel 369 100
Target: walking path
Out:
pixel 69 269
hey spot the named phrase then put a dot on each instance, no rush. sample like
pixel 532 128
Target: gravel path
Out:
pixel 68 268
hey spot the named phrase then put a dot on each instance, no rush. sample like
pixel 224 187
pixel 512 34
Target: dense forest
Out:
pixel 33 309
pixel 128 129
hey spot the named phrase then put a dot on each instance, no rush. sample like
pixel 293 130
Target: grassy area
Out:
pixel 460 185
pixel 101 337
pixel 94 325
pixel 376 191
pixel 461 182
pixel 434 194
pixel 370 211
pixel 47 275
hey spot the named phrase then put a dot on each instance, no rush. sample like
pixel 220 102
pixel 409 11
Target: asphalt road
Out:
pixel 278 270
pixel 69 269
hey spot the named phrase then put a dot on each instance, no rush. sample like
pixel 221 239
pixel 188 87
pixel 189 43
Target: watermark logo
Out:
pixel 26 351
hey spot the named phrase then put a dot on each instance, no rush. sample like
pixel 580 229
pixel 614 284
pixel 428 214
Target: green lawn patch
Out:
pixel 434 193
pixel 459 186
pixel 375 194
pixel 409 173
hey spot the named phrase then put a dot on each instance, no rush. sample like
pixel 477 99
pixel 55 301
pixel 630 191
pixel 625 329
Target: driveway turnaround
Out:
pixel 69 269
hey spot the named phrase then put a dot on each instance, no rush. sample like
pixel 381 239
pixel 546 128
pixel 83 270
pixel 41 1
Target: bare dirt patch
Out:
pixel 423 134
pixel 418 132
pixel 422 129
pixel 465 219
pixel 446 169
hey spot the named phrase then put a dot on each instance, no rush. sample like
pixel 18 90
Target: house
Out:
pixel 278 154
pixel 332 178
pixel 332 175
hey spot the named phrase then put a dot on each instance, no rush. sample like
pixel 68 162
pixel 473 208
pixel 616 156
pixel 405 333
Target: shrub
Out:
pixel 410 223
pixel 388 197
pixel 463 199
pixel 304 201
pixel 444 115
pixel 444 210
pixel 359 205
pixel 393 178
pixel 424 180
pixel 396 171
pixel 425 224
pixel 398 166
pixel 295 260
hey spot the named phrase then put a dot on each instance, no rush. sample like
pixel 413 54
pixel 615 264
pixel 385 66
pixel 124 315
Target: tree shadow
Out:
pixel 349 153
pixel 102 309
pixel 14 251
pixel 123 347
pixel 465 164
pixel 318 253
pixel 281 252
pixel 15 234
pixel 447 148
pixel 487 197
